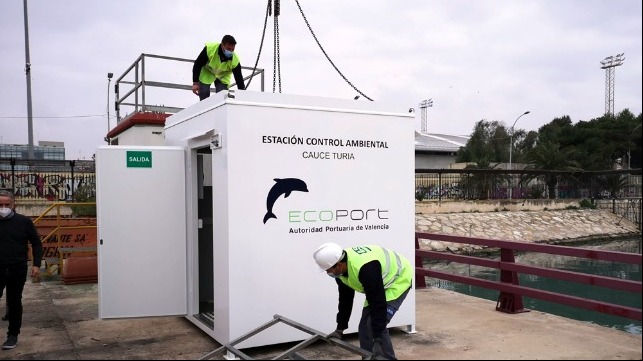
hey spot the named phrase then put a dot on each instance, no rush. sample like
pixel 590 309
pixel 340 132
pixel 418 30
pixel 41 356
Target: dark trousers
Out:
pixel 12 279
pixel 204 89
pixel 365 331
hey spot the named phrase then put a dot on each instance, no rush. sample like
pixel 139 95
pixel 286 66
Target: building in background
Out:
pixel 437 151
pixel 45 150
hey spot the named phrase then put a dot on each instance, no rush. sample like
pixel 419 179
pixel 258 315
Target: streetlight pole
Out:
pixel 109 80
pixel 511 146
pixel 30 151
pixel 629 156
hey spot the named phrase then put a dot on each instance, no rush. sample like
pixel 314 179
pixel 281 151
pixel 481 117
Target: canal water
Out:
pixel 603 268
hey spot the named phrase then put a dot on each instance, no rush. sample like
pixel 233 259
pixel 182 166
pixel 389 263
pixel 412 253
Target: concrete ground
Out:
pixel 61 322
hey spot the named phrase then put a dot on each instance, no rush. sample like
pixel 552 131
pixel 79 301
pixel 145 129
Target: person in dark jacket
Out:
pixel 16 231
pixel 385 278
pixel 215 64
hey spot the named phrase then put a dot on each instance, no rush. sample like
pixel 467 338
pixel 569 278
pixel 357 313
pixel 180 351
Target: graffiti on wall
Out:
pixel 50 246
pixel 50 186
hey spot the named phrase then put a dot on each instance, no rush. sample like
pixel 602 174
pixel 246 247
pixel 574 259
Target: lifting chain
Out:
pixel 326 55
pixel 276 73
pixel 277 55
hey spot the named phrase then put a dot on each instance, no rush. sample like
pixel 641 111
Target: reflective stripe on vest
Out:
pixel 394 285
pixel 388 267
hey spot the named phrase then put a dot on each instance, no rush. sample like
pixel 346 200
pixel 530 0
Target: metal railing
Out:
pixel 478 184
pixel 54 263
pixel 626 208
pixel 139 80
pixel 510 298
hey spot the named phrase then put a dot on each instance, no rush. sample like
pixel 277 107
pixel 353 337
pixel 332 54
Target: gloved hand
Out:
pixel 378 353
pixel 336 334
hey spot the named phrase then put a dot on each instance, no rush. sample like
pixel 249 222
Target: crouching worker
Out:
pixel 382 275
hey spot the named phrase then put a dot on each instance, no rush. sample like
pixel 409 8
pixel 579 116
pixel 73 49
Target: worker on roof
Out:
pixel 214 65
pixel 382 275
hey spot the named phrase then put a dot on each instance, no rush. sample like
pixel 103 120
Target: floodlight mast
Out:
pixel 609 64
pixel 423 105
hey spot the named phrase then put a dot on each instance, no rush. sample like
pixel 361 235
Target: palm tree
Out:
pixel 548 156
pixel 615 183
pixel 480 185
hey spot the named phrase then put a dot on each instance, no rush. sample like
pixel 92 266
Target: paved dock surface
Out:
pixel 61 322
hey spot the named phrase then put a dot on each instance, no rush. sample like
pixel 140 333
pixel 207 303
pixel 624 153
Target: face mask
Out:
pixel 332 275
pixel 227 53
pixel 5 212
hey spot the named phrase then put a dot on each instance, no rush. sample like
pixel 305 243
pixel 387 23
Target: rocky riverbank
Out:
pixel 552 226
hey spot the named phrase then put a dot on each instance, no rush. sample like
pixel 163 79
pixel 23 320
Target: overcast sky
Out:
pixel 482 59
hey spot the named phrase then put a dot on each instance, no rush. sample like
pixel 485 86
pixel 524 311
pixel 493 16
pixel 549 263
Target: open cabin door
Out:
pixel 141 210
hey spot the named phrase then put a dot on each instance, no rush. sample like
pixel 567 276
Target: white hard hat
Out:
pixel 327 255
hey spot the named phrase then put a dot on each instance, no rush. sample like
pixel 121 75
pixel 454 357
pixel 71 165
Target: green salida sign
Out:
pixel 139 159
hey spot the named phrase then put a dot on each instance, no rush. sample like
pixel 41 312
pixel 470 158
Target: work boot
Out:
pixel 11 342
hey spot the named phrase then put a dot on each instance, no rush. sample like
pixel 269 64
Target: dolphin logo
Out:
pixel 282 186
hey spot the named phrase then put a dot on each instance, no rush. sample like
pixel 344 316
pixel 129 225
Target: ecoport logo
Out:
pixel 316 220
pixel 283 186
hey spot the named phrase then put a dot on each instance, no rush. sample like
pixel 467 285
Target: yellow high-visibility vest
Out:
pixel 215 68
pixel 397 272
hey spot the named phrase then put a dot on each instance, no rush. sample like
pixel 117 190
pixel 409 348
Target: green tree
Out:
pixel 524 142
pixel 615 183
pixel 595 144
pixel 85 193
pixel 549 156
pixel 489 140
pixel 559 130
pixel 481 185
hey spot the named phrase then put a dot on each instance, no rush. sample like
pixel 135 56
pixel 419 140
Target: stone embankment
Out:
pixel 552 226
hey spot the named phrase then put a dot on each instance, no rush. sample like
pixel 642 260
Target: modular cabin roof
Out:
pixel 440 143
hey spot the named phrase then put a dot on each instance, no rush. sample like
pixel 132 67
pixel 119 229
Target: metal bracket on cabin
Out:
pixel 216 141
pixel 290 354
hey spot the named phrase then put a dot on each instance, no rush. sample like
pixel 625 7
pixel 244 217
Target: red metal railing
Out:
pixel 510 299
